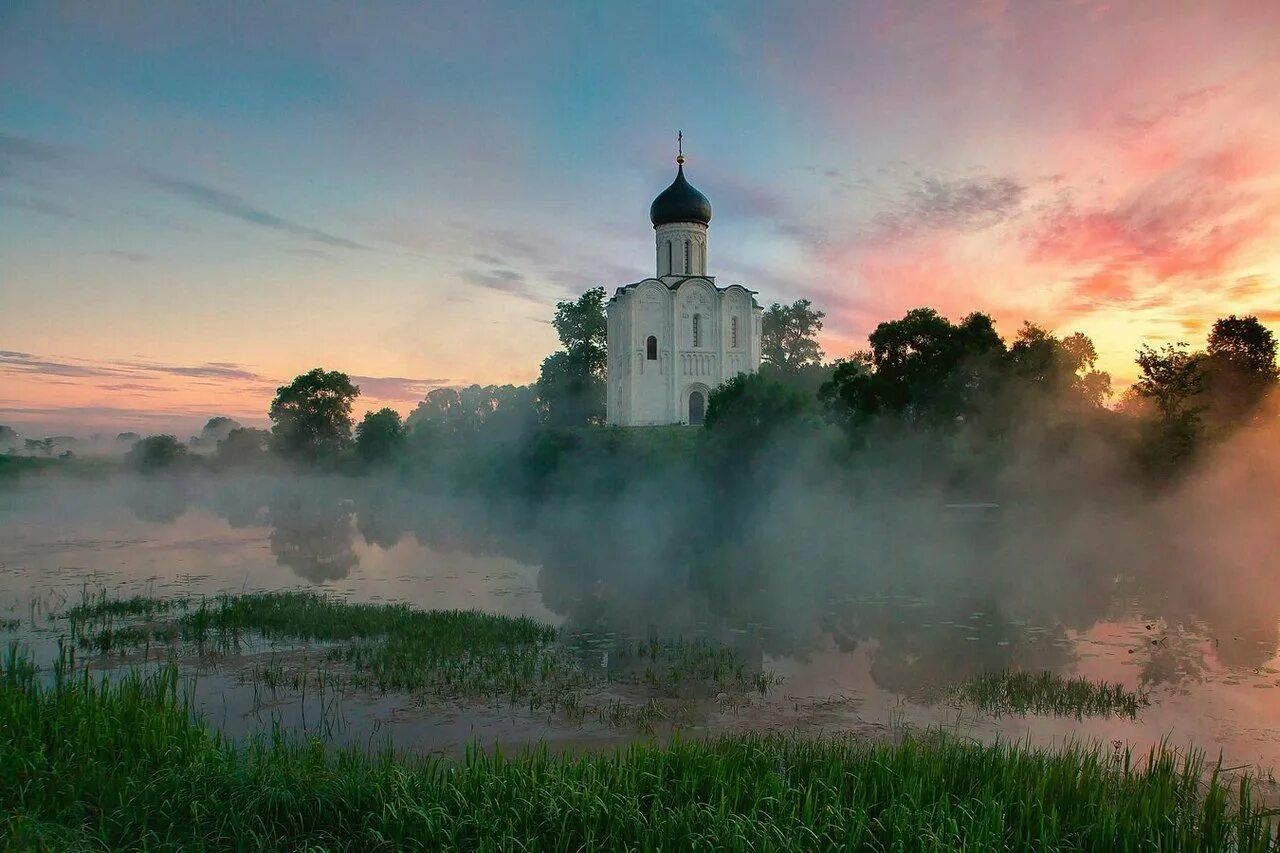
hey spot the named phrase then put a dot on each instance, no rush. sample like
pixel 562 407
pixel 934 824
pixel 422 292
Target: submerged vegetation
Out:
pixel 124 764
pixel 351 647
pixel 1007 692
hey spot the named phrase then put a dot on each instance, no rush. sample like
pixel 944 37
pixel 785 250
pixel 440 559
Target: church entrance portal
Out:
pixel 697 408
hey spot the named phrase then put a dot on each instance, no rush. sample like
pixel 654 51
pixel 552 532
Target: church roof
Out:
pixel 680 202
pixel 673 282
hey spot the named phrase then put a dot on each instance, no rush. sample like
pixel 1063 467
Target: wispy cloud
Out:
pixel 27 151
pixel 933 202
pixel 26 363
pixel 1190 224
pixel 32 204
pixel 204 371
pixel 236 207
pixel 503 281
pixel 131 257
pixel 31 150
pixel 396 388
pixel 21 362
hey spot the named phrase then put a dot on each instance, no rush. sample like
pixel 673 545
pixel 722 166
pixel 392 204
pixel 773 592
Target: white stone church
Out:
pixel 674 337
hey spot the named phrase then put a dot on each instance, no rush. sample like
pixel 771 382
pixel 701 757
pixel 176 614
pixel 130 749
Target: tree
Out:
pixel 1172 379
pixel 8 439
pixel 1240 369
pixel 156 453
pixel 922 368
pixel 457 412
pixel 1061 370
pixel 750 409
pixel 215 430
pixel 243 446
pixel 787 336
pixel 379 436
pixel 572 380
pixel 39 445
pixel 312 416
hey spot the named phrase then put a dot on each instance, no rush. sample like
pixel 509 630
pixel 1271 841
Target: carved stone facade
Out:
pixel 681 248
pixel 676 336
pixel 671 340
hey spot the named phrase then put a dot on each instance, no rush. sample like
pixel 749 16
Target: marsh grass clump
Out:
pixel 339 647
pixel 679 666
pixel 383 647
pixel 122 763
pixel 1008 692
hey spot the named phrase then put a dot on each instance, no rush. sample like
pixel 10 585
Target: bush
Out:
pixel 156 453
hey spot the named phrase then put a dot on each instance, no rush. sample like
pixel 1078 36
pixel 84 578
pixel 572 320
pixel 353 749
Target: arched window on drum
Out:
pixel 651 348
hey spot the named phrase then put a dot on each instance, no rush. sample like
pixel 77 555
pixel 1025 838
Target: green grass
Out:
pixel 13 466
pixel 90 764
pixel 346 647
pixel 1010 692
pixel 378 646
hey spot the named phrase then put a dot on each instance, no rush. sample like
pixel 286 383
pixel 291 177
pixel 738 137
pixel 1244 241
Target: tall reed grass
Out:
pixel 1009 692
pixel 89 764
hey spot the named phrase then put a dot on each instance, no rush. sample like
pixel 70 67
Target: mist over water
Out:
pixel 866 576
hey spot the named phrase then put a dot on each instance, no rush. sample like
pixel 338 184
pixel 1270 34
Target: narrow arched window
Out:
pixel 651 348
pixel 733 332
pixel 670 259
pixel 697 330
pixel 687 268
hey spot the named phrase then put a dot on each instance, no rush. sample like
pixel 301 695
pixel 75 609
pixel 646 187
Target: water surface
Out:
pixel 867 649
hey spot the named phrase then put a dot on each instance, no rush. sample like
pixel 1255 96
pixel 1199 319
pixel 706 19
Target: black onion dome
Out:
pixel 680 202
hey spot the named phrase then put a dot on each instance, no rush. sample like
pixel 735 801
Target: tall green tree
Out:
pixel 215 430
pixel 1061 370
pixel 922 368
pixel 788 336
pixel 745 412
pixel 380 436
pixel 8 439
pixel 572 381
pixel 457 412
pixel 311 416
pixel 243 446
pixel 1240 369
pixel 156 453
pixel 1172 379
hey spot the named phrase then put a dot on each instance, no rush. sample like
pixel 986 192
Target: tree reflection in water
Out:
pixel 933 595
pixel 312 533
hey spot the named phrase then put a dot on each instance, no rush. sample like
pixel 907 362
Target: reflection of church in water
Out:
pixel 674 337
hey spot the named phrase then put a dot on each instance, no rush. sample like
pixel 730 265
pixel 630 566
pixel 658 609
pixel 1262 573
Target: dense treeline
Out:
pixel 964 395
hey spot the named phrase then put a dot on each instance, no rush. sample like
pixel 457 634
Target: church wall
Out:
pixel 651 316
pixel 737 347
pixel 643 392
pixel 676 234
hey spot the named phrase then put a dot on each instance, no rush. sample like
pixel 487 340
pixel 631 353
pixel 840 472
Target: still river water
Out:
pixel 870 656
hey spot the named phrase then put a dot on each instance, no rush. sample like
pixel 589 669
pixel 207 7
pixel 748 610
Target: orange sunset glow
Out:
pixel 193 209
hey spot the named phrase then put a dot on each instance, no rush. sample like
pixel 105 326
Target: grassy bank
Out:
pixel 86 764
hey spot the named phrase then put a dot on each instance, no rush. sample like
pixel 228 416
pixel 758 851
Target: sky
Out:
pixel 199 201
